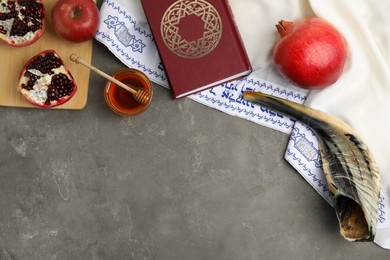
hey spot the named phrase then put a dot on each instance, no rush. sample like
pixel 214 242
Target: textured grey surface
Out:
pixel 181 181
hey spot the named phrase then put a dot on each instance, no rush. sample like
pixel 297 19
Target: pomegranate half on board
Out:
pixel 22 22
pixel 45 81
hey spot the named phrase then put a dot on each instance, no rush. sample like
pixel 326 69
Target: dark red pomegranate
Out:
pixel 311 52
pixel 22 22
pixel 45 81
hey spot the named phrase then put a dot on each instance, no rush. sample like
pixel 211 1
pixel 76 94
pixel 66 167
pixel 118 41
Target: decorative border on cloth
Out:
pixel 303 154
pixel 136 27
pixel 228 98
pixel 130 42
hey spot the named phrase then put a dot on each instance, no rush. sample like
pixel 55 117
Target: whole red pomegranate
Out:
pixel 311 52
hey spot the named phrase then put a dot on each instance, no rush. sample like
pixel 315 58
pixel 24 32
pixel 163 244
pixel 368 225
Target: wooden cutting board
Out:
pixel 14 58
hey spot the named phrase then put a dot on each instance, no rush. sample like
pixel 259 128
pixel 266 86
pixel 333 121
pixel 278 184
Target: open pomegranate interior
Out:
pixel 45 81
pixel 22 22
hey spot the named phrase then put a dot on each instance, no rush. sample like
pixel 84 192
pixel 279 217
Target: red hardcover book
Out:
pixel 198 42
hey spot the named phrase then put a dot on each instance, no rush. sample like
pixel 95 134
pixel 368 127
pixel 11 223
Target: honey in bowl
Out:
pixel 122 101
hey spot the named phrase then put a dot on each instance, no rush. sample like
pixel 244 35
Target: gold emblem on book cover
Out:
pixel 192 49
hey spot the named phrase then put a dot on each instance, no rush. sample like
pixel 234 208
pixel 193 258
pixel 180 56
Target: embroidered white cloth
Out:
pixel 366 80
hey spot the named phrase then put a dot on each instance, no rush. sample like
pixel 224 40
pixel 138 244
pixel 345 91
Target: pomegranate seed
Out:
pixel 46 63
pixel 2 30
pixel 60 86
pixel 30 20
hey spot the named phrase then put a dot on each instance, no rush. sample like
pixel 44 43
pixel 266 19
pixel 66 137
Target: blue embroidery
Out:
pixel 130 59
pixel 123 34
pixel 138 45
pixel 381 211
pixel 305 147
pixel 307 170
pixel 128 17
pixel 231 99
pixel 127 37
pixel 111 21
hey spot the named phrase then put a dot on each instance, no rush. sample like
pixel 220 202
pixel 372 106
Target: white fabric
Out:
pixel 361 96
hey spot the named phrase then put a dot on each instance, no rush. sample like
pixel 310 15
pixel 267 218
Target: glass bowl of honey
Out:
pixel 122 101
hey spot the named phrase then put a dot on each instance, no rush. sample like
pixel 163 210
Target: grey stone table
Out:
pixel 181 181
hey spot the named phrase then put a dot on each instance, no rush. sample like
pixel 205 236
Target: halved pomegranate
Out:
pixel 22 22
pixel 45 81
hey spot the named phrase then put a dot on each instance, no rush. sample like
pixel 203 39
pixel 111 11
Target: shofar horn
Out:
pixel 350 169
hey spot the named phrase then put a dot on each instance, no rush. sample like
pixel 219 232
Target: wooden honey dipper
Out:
pixel 141 95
